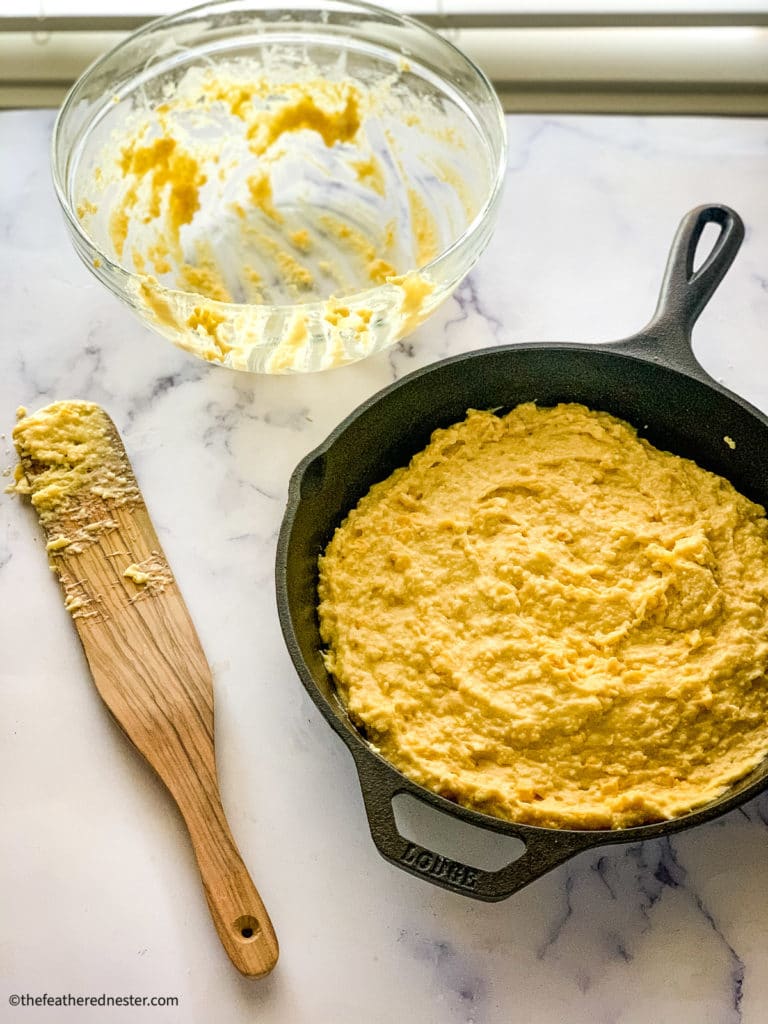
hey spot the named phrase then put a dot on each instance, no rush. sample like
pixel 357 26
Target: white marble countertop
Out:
pixel 98 886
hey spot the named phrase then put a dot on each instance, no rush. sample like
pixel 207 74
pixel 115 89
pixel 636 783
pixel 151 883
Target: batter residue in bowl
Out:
pixel 549 620
pixel 238 191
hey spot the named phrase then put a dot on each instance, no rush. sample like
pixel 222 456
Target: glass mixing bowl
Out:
pixel 281 190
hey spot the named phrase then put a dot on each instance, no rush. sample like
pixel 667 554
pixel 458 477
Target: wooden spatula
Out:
pixel 140 642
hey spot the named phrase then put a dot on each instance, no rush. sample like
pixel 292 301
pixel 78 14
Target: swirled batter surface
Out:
pixel 547 619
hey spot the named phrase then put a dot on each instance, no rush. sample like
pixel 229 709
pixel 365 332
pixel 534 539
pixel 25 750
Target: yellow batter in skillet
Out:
pixel 547 619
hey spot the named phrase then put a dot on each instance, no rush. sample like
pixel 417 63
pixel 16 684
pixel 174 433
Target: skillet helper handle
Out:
pixel 544 849
pixel 685 292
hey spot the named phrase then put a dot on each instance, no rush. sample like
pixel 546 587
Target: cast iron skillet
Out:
pixel 652 380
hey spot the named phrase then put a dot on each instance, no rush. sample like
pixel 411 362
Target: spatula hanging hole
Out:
pixel 247 928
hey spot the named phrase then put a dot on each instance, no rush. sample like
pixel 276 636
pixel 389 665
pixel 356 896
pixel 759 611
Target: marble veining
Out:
pixel 99 892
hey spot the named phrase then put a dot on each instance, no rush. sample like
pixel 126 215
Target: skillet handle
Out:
pixel 544 848
pixel 685 292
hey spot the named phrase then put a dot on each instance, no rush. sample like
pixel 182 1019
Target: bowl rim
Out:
pixel 471 230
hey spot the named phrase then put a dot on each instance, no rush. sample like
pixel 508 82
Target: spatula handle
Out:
pixel 238 913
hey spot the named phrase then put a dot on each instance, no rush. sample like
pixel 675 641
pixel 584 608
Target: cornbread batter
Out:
pixel 67 461
pixel 151 574
pixel 73 467
pixel 546 619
